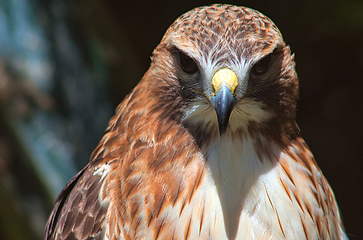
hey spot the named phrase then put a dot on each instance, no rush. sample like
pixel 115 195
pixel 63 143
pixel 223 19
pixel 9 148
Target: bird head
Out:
pixel 230 71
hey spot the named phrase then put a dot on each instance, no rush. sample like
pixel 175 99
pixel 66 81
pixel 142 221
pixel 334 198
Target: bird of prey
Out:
pixel 206 146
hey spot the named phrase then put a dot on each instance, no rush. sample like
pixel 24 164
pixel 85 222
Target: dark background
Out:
pixel 95 52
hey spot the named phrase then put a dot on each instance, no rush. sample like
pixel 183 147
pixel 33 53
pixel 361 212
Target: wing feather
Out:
pixel 77 213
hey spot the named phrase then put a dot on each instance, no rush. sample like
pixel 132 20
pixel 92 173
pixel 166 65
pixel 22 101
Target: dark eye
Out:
pixel 187 63
pixel 262 66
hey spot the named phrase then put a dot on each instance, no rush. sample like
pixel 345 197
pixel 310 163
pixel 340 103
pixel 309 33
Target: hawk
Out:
pixel 206 146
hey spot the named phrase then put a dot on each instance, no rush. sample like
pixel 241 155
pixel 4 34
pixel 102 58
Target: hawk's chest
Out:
pixel 229 200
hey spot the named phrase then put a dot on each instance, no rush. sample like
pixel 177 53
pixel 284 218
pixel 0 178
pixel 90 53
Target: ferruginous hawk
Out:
pixel 206 146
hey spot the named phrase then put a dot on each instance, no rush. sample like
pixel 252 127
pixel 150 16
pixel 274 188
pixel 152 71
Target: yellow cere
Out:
pixel 224 77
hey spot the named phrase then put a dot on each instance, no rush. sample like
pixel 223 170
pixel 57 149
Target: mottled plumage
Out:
pixel 189 155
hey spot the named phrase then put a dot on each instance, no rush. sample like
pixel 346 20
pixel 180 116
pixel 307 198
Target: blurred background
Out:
pixel 65 66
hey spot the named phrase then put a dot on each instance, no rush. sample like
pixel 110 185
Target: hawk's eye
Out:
pixel 262 66
pixel 187 63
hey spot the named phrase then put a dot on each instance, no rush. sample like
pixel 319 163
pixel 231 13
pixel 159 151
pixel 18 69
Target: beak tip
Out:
pixel 222 131
pixel 224 104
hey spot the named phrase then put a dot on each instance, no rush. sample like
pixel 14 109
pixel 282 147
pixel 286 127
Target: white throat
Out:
pixel 236 171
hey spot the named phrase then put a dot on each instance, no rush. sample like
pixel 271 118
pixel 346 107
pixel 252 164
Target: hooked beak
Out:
pixel 224 83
